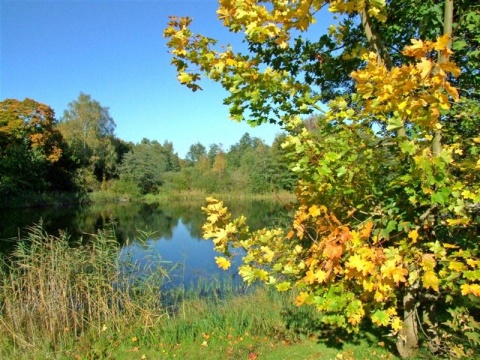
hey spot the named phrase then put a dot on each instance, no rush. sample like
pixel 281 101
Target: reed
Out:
pixel 52 292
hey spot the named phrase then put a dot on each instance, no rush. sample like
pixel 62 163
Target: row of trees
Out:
pixel 248 166
pixel 80 152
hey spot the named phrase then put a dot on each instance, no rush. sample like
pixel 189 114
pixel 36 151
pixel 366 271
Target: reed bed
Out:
pixel 53 292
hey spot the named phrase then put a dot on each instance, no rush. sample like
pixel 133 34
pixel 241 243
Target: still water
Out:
pixel 152 235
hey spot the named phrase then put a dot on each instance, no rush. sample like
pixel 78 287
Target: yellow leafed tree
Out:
pixel 388 202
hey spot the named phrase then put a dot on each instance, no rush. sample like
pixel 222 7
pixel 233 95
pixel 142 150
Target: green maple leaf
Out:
pixel 381 317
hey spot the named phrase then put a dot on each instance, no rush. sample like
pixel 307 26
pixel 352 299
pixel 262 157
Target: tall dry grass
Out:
pixel 52 292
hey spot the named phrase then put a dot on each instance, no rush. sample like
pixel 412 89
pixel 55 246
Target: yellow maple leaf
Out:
pixel 396 323
pixel 456 266
pixel 355 262
pixel 368 285
pixel 314 211
pixel 309 277
pixel 320 276
pixel 301 298
pixel 379 296
pixel 268 253
pixel 450 67
pixel 413 235
pixel 399 275
pixel 473 289
pixel 231 62
pixel 473 263
pixel 425 67
pixel 212 218
pixel 428 262
pixel 185 78
pixel 430 280
pixel 443 45
pixel 223 263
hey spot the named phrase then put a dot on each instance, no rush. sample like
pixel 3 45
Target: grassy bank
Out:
pixel 64 302
pixel 193 195
pixel 59 199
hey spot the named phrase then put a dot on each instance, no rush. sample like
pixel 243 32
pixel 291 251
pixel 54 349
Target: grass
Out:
pixel 199 195
pixel 64 302
pixel 109 196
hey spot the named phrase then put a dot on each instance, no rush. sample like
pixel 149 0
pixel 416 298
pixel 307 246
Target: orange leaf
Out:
pixel 417 49
pixel 300 300
pixel 367 229
pixel 333 251
pixel 451 90
pixel 442 43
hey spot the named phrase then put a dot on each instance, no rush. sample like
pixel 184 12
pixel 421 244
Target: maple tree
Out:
pixel 387 214
pixel 30 148
pixel 32 121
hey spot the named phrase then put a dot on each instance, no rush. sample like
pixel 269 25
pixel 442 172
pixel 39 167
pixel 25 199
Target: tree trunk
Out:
pixel 376 43
pixel 447 29
pixel 407 340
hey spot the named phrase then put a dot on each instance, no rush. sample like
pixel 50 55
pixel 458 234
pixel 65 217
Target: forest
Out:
pixel 78 154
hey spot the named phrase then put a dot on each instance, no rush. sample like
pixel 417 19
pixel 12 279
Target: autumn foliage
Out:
pixel 386 222
pixel 33 120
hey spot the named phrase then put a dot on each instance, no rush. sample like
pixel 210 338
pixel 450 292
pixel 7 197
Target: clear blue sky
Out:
pixel 114 50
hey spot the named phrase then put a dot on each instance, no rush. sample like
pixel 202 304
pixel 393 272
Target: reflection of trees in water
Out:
pixel 130 219
pixel 14 223
pixel 259 213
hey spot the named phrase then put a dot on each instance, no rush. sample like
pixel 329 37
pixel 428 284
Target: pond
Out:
pixel 167 235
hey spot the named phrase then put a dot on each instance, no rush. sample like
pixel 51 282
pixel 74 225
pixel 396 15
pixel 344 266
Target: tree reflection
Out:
pixel 130 220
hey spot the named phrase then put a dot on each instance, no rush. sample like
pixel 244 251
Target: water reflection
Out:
pixel 173 239
pixel 187 259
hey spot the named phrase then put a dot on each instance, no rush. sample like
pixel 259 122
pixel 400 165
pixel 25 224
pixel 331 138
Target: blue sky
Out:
pixel 114 50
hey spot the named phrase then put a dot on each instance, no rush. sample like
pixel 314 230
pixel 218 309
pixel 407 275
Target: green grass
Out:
pixel 64 302
pixel 198 195
pixel 248 326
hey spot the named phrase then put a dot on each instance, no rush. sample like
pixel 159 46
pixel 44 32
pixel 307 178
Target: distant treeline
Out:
pixel 79 153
